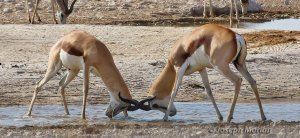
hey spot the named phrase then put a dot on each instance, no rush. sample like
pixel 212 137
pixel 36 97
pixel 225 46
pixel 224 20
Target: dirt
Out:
pixel 146 12
pixel 160 129
pixel 139 53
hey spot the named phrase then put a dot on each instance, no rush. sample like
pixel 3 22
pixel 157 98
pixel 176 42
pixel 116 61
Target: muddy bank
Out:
pixel 161 129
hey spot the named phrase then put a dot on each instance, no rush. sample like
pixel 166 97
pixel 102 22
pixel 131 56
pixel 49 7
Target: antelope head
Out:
pixel 118 104
pixel 160 91
pixel 64 12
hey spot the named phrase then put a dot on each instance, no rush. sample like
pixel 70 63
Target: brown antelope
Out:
pixel 209 46
pixel 77 51
pixel 62 15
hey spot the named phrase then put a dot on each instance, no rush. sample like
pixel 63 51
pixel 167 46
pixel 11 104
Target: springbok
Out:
pixel 209 46
pixel 77 51
pixel 62 15
pixel 244 5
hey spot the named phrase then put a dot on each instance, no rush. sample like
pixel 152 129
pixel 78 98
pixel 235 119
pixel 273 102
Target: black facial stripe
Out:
pixel 157 106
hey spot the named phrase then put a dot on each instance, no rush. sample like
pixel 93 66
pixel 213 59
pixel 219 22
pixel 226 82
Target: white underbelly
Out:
pixel 198 60
pixel 70 61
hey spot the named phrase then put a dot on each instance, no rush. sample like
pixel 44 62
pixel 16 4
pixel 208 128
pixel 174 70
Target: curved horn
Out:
pixel 63 5
pixel 132 101
pixel 145 107
pixel 71 7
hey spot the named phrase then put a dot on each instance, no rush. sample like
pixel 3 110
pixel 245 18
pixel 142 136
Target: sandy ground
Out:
pixel 139 53
pixel 161 129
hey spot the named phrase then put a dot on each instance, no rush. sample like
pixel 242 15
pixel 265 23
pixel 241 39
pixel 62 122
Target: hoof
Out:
pixel 165 118
pixel 263 118
pixel 221 118
pixel 229 119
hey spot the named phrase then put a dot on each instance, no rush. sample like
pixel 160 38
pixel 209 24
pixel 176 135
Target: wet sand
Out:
pixel 115 129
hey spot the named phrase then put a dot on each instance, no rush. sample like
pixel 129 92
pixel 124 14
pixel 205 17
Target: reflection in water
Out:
pixel 49 115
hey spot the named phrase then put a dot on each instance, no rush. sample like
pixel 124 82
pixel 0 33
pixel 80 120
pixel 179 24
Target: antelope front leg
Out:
pixel 179 75
pixel 236 10
pixel 204 9
pixel 29 17
pixel 38 87
pixel 244 5
pixel 177 84
pixel 211 12
pixel 53 12
pixel 35 10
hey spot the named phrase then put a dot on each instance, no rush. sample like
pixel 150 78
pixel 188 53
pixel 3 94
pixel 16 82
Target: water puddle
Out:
pixel 278 24
pixel 50 115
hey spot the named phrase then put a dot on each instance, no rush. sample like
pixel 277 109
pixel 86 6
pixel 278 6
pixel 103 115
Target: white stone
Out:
pixel 126 6
pixel 30 5
pixel 19 7
pixel 49 11
pixel 254 7
pixel 7 10
pixel 12 134
pixel 9 0
pixel 49 8
pixel 196 10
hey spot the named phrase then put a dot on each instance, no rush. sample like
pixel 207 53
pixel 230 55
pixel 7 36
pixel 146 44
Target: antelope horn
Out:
pixel 63 5
pixel 145 107
pixel 130 101
pixel 71 7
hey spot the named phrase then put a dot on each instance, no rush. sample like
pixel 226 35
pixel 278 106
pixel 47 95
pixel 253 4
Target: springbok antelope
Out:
pixel 209 46
pixel 77 51
pixel 244 5
pixel 62 15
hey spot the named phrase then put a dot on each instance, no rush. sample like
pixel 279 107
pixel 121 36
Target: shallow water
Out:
pixel 278 24
pixel 188 112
